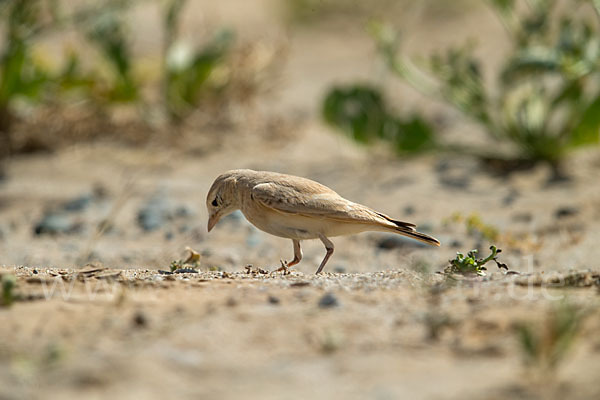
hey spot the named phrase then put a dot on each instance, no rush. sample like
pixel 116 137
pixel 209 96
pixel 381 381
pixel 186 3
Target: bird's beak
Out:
pixel 212 221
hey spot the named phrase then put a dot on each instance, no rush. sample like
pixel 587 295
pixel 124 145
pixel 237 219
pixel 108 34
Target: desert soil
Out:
pixel 96 318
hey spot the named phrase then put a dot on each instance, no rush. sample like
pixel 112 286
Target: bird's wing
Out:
pixel 314 200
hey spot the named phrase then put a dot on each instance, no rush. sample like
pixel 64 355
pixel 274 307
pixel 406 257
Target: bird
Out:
pixel 297 208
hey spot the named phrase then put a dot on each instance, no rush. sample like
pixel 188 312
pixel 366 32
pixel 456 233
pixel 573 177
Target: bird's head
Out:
pixel 222 198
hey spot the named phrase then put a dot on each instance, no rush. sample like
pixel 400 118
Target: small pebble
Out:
pixel 455 244
pixel 274 300
pixel 231 302
pixel 455 182
pixel 55 223
pixel 79 203
pixel 140 320
pixel 522 217
pixel 157 211
pixel 186 271
pixel 328 301
pixel 563 212
pixel 154 213
pixel 510 197
pixel 183 211
pixel 163 272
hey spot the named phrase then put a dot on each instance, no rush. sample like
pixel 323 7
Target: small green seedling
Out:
pixel 175 265
pixel 192 261
pixel 473 265
pixel 546 345
pixel 8 295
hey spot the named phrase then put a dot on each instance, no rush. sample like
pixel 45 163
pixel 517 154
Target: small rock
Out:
pixel 522 217
pixel 455 182
pixel 299 284
pixel 183 211
pixel 564 212
pixel 409 210
pixel 442 166
pixel 55 223
pixel 231 302
pixel 163 272
pixel 328 301
pixel 455 244
pixel 150 219
pixel 185 228
pixel 154 214
pixel 78 203
pixel 140 320
pixel 186 271
pixel 158 210
pixel 510 198
pixel 274 300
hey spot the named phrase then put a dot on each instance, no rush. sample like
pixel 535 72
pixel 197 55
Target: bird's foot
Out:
pixel 284 268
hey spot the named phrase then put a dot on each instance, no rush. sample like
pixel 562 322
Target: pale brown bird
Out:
pixel 297 208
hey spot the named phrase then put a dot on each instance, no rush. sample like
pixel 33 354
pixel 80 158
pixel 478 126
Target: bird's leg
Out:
pixel 329 246
pixel 297 253
pixel 297 257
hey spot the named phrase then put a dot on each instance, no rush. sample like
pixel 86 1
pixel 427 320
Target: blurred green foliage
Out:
pixel 547 99
pixel 187 70
pixel 108 74
pixel 8 283
pixel 362 113
pixel 544 346
pixel 19 74
pixel 356 12
pixel 23 76
pixel 108 33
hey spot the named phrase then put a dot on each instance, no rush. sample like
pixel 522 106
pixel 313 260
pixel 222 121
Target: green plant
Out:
pixel 8 285
pixel 192 261
pixel 20 75
pixel 108 32
pixel 545 345
pixel 187 71
pixel 24 77
pixel 306 11
pixel 470 264
pixel 548 97
pixel 475 226
pixel 362 113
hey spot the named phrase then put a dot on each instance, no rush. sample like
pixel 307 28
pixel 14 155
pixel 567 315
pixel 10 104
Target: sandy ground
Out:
pixel 96 319
pixel 389 334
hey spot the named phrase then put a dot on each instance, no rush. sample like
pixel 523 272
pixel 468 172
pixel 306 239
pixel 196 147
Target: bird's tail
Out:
pixel 421 237
pixel 408 229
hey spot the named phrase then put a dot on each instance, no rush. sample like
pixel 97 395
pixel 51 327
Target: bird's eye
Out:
pixel 215 203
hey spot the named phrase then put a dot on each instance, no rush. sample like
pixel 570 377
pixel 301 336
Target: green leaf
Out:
pixel 186 82
pixel 359 111
pixel 530 61
pixel 410 136
pixel 588 130
pixel 504 6
pixel 109 34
